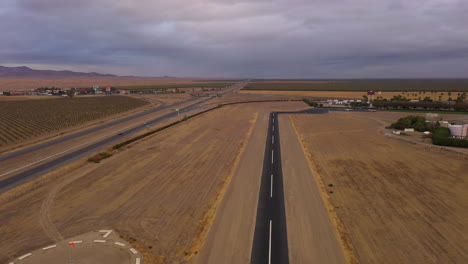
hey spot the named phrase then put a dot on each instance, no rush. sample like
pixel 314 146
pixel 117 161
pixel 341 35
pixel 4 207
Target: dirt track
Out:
pixel 399 202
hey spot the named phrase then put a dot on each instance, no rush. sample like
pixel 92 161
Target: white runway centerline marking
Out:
pixel 49 247
pixel 271 156
pixel 271 186
pixel 269 247
pixel 25 256
pixel 273 128
pixel 272 139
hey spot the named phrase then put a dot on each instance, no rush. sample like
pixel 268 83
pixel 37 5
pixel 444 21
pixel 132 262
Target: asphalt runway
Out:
pixel 270 244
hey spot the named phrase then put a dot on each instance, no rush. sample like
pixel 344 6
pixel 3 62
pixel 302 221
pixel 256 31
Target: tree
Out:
pixel 71 92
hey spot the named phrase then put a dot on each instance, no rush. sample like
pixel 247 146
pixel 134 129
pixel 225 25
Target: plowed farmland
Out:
pixel 398 201
pixel 21 120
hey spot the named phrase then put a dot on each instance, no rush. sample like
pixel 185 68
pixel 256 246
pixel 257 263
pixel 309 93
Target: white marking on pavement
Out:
pixel 119 244
pixel 269 247
pixel 107 232
pixel 76 242
pixel 137 261
pixel 271 187
pixel 272 139
pixel 99 241
pixel 273 120
pixel 49 247
pixel 25 256
pixel 273 128
pixel 133 251
pixel 271 156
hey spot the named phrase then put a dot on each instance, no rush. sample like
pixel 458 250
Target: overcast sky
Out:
pixel 239 38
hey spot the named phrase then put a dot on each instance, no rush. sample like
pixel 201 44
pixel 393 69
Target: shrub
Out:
pixel 307 101
pixel 416 122
pixel 442 137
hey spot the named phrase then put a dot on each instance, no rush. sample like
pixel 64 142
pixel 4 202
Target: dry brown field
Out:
pixel 354 95
pixel 160 191
pixel 26 97
pixel 20 84
pixel 397 201
pixel 300 81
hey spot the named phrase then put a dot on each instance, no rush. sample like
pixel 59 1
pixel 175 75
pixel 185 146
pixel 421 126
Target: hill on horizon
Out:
pixel 24 71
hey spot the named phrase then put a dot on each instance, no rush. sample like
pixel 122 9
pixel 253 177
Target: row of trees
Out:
pixel 416 122
pixel 459 106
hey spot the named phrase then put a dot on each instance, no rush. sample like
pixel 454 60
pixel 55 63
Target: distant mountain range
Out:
pixel 24 71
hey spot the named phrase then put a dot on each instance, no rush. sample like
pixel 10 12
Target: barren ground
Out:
pixel 159 191
pixel 399 202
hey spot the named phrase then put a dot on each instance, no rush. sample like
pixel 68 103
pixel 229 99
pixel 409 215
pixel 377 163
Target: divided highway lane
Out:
pixel 80 152
pixel 107 125
pixel 270 244
pixel 87 131
pixel 10 182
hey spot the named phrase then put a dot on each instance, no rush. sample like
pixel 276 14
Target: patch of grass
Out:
pixel 98 157
pixel 425 111
pixel 427 85
pixel 330 185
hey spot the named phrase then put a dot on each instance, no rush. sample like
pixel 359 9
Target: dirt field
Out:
pixel 398 202
pixel 159 191
pixel 20 84
pixel 355 95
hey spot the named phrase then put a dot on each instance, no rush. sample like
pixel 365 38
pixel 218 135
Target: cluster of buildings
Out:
pixel 342 102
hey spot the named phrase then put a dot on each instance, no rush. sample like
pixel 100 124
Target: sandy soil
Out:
pixel 159 191
pixel 20 84
pixel 399 202
pixel 235 218
pixel 353 95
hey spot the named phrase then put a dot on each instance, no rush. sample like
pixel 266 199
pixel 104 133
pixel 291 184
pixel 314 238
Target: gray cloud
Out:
pixel 266 38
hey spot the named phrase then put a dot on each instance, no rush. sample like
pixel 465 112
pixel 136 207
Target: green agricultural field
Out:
pixel 171 86
pixel 459 85
pixel 21 120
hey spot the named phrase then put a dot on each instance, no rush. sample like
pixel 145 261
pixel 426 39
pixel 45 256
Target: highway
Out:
pixel 81 150
pixel 270 243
